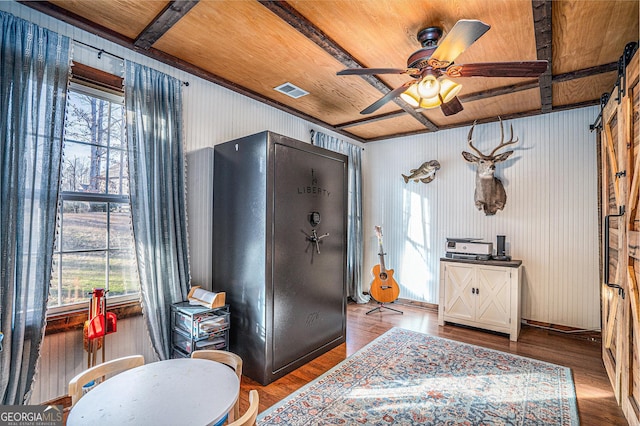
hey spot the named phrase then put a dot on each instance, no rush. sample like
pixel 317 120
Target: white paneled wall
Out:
pixel 550 219
pixel 63 356
pixel 214 115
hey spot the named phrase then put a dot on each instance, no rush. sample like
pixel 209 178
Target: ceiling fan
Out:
pixel 432 66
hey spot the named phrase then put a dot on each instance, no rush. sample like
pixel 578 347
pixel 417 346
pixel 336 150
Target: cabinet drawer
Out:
pixel 215 341
pixel 176 353
pixel 203 324
pixel 182 342
pixel 188 345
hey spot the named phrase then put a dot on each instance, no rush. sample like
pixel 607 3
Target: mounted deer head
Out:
pixel 490 195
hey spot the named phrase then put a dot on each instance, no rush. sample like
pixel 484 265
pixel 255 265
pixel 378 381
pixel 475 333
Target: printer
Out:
pixel 468 248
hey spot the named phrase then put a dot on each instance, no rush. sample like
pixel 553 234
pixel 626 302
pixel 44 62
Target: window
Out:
pixel 94 245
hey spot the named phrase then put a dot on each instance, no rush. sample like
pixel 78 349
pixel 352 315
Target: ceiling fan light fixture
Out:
pixel 411 95
pixel 448 89
pixel 429 86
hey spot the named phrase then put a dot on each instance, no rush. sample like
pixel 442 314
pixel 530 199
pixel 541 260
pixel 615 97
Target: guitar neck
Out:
pixel 381 256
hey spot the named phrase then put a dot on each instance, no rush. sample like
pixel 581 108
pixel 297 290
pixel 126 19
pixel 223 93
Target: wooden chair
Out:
pixel 227 358
pixel 249 416
pixel 114 366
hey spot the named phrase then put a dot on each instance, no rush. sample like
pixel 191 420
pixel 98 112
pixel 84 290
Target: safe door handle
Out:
pixel 606 251
pixel 314 238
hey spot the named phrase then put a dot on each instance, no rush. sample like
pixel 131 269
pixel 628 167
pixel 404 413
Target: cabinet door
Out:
pixel 493 295
pixel 308 280
pixel 458 299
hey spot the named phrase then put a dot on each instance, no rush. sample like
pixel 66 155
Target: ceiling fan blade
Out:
pixel 463 34
pixel 452 107
pixel 386 98
pixel 498 69
pixel 365 71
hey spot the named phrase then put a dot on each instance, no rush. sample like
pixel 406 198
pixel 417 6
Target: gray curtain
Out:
pixel 153 102
pixel 34 64
pixel 354 211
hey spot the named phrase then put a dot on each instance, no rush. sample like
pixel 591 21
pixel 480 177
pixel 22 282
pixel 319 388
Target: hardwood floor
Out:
pixel 596 402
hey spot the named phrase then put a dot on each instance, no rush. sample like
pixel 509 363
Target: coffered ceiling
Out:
pixel 254 46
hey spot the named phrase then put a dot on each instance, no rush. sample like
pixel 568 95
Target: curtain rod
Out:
pixel 102 51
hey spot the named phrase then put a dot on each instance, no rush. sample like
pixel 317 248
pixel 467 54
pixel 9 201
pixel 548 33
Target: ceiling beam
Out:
pixel 542 25
pixel 499 91
pixel 372 119
pixel 77 21
pixel 172 13
pixel 291 16
pixel 504 117
pixel 586 72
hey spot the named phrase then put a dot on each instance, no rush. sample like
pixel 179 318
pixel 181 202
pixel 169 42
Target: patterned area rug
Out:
pixel 409 378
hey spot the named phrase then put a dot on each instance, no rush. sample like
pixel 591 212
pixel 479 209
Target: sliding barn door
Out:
pixel 620 147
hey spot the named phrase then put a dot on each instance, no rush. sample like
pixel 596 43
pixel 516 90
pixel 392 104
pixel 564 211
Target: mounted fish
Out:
pixel 425 173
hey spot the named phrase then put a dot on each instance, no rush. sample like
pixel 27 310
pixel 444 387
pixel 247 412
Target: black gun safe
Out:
pixel 279 250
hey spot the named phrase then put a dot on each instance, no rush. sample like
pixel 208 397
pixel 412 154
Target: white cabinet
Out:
pixel 483 294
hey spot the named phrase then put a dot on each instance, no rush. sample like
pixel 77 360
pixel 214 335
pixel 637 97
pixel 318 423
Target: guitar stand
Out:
pixel 382 306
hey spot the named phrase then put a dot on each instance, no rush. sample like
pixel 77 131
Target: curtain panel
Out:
pixel 34 68
pixel 153 103
pixel 354 211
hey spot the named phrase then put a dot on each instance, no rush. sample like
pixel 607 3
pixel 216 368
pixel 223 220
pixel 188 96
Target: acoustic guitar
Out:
pixel 384 289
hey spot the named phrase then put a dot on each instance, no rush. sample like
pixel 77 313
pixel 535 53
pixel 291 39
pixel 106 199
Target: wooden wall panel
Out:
pixel 247 51
pixel 635 368
pixel 511 24
pixel 582 89
pixel 128 17
pixel 575 46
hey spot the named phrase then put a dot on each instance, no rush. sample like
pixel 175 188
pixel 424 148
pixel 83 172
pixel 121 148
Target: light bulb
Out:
pixel 411 96
pixel 432 102
pixel 428 87
pixel 448 89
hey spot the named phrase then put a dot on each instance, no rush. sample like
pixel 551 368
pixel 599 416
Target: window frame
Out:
pixel 99 84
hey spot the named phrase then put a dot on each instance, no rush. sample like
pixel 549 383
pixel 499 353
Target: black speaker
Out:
pixel 500 251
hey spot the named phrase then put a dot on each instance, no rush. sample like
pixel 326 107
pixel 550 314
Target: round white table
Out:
pixel 173 392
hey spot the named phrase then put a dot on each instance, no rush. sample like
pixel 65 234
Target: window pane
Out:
pixel 88 119
pixel 54 293
pixel 118 173
pixel 123 276
pixel 116 129
pixel 84 168
pixel 120 234
pixel 81 273
pixel 84 226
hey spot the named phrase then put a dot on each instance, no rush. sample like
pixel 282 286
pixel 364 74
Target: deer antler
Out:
pixel 470 142
pixel 502 143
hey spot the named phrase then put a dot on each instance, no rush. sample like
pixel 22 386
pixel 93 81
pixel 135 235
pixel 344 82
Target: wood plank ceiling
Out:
pixel 253 46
